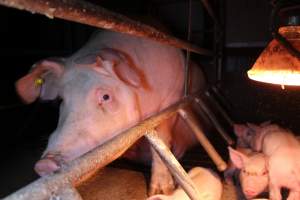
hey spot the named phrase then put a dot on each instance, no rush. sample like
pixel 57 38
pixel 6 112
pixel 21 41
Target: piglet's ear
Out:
pixel 266 123
pixel 237 158
pixel 254 127
pixel 41 81
pixel 239 129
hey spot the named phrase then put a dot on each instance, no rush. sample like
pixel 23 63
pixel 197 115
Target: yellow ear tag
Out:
pixel 38 82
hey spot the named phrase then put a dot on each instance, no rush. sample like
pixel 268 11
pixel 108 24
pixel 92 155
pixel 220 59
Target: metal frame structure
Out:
pixel 61 184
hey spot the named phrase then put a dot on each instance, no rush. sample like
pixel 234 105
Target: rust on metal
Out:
pixel 173 165
pixel 87 13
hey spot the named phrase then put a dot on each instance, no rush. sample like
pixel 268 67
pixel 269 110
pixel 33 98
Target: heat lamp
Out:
pixel 279 63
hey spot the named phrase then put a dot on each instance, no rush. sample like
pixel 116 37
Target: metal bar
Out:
pixel 188 53
pixel 219 107
pixel 83 167
pixel 220 96
pixel 211 12
pixel 208 147
pixel 220 38
pixel 173 165
pixel 187 74
pixel 214 120
pixel 87 13
pixel 68 193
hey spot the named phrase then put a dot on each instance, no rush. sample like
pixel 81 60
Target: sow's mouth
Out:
pixel 48 163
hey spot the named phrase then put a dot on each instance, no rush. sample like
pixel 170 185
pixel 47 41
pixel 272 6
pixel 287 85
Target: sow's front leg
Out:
pixel 161 180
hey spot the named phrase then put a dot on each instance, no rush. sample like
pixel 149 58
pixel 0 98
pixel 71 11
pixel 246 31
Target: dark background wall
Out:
pixel 26 38
pixel 247 34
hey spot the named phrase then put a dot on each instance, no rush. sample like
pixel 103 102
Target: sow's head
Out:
pixel 98 102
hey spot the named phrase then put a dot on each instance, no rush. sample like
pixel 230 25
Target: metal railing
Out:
pixel 72 174
pixel 87 13
pixel 61 184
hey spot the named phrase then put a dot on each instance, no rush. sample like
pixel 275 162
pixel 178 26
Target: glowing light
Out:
pixel 275 64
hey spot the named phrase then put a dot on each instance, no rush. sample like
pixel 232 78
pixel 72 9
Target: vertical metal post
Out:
pixel 173 165
pixel 188 53
pixel 220 42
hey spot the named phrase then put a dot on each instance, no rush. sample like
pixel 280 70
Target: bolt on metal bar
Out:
pixel 214 120
pixel 213 154
pixel 83 167
pixel 87 13
pixel 173 165
pixel 219 107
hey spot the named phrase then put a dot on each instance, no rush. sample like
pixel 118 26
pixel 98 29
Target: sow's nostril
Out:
pixel 46 166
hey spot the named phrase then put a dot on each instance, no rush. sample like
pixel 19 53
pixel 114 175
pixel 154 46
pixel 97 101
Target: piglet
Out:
pixel 232 171
pixel 282 149
pixel 253 172
pixel 246 132
pixel 206 181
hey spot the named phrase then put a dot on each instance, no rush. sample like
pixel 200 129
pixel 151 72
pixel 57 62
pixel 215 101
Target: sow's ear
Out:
pixel 41 81
pixel 125 68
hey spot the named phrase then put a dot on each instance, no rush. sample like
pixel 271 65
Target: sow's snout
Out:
pixel 48 163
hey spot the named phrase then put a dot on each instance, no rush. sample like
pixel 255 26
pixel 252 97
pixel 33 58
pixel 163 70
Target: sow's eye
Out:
pixel 103 96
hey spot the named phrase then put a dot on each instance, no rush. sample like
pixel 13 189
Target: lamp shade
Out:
pixel 275 64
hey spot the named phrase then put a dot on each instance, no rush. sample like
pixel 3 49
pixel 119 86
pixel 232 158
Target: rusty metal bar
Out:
pixel 214 120
pixel 210 12
pixel 213 154
pixel 83 167
pixel 87 13
pixel 173 165
pixel 219 107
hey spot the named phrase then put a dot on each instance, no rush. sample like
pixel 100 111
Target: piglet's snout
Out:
pixel 47 164
pixel 250 193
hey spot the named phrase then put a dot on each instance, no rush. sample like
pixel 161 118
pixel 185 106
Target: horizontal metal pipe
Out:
pixel 173 165
pixel 87 13
pixel 83 167
pixel 208 147
pixel 214 120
